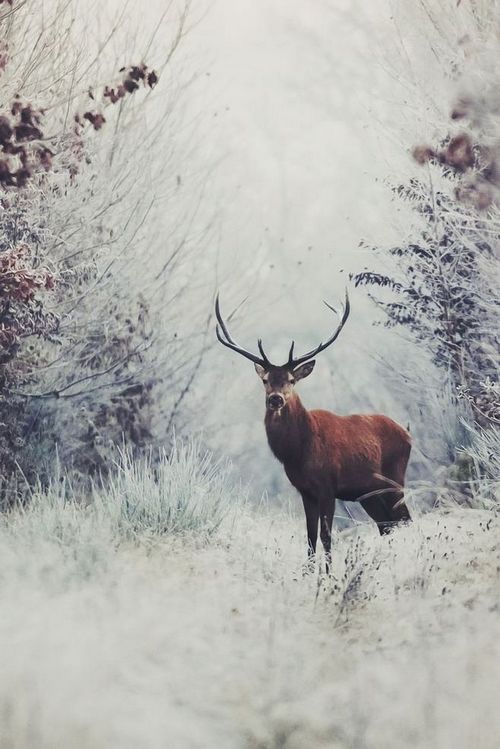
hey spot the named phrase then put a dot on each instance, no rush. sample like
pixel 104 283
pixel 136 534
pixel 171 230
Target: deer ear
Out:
pixel 304 370
pixel 260 371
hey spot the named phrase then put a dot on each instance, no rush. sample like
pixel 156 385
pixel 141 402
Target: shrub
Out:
pixel 439 284
pixel 184 491
pixel 82 282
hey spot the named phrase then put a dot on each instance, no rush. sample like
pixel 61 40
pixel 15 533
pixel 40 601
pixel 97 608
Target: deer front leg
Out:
pixel 311 508
pixel 327 511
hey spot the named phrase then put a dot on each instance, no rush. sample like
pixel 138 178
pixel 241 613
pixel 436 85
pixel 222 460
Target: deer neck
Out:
pixel 288 431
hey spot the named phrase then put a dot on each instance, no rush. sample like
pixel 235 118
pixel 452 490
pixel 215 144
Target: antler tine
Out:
pixel 221 321
pixel 263 354
pixel 290 354
pixel 323 346
pixel 230 343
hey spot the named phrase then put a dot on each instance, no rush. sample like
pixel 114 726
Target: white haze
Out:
pixel 290 98
pixel 306 123
pixel 299 118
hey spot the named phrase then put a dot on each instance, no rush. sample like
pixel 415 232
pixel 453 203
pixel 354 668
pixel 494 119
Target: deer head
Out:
pixel 279 380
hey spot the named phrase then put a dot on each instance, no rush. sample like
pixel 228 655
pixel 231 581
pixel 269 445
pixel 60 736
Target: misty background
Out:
pixel 263 161
pixel 302 119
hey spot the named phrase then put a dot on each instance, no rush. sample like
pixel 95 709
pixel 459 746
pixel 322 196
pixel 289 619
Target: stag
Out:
pixel 357 458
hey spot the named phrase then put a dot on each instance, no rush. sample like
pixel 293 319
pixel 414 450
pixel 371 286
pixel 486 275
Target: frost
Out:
pixel 148 639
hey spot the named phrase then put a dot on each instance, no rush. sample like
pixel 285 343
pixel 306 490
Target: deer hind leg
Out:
pixel 395 500
pixel 327 511
pixel 388 508
pixel 383 511
pixel 398 509
pixel 377 509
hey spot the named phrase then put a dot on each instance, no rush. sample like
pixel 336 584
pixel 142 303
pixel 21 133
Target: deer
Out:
pixel 356 458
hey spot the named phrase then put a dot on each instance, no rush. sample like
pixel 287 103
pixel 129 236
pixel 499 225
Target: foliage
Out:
pixel 78 278
pixel 30 170
pixel 443 282
pixel 187 490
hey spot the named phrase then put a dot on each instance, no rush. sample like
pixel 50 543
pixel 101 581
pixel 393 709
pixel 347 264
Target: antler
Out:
pixel 292 363
pixel 228 341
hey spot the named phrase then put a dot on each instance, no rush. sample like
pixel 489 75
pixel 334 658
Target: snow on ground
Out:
pixel 217 640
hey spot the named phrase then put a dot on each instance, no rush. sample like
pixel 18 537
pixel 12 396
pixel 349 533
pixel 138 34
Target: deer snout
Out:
pixel 275 401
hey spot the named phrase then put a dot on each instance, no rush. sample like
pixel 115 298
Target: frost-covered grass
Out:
pixel 156 625
pixel 187 491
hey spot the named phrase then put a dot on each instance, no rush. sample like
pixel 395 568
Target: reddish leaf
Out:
pixel 96 119
pixel 5 130
pixel 152 79
pixel 27 132
pixel 459 153
pixel 138 72
pixel 22 176
pixel 130 85
pixel 423 154
pixel 45 158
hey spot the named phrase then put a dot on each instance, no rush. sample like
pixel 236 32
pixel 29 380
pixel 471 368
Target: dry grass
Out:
pixel 186 641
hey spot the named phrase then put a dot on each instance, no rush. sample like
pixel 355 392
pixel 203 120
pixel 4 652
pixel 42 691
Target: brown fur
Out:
pixel 326 456
pixel 355 458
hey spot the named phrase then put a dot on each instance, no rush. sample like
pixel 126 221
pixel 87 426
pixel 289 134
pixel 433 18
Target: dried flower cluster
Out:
pixel 442 292
pixel 132 79
pixel 21 145
pixel 458 153
pixel 35 167
pixel 475 163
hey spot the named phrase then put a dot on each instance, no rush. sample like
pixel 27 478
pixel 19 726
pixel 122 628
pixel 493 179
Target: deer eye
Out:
pixel 292 381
